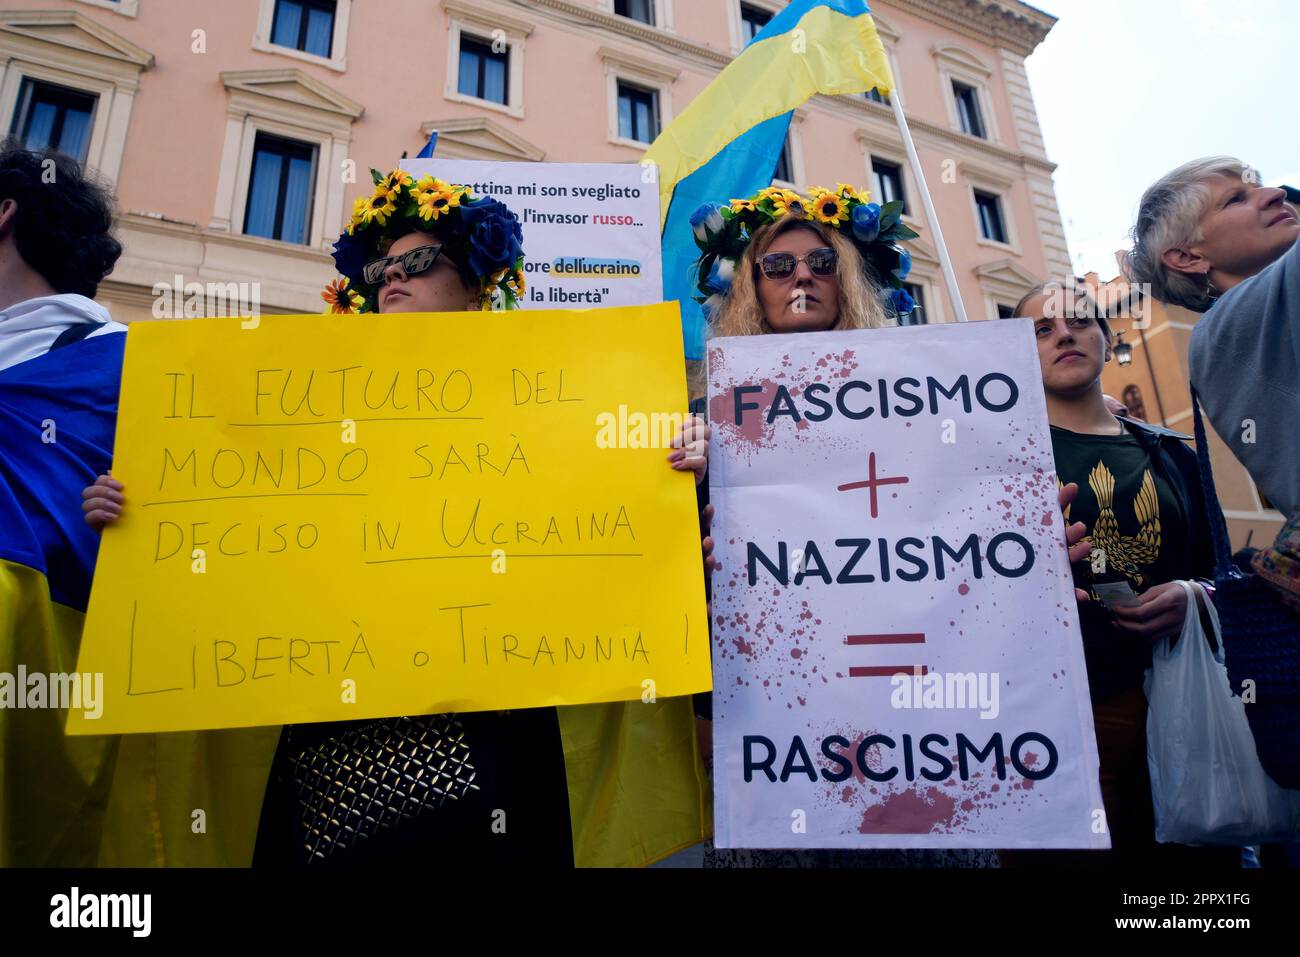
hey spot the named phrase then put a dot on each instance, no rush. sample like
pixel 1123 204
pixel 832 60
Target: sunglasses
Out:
pixel 821 262
pixel 413 263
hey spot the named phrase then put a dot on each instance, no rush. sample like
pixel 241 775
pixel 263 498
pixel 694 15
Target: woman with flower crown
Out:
pixel 478 788
pixel 780 262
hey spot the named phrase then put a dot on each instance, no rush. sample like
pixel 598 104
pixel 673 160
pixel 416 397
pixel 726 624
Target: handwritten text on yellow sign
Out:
pixel 350 517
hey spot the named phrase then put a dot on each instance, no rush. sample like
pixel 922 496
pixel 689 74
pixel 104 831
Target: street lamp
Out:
pixel 1123 351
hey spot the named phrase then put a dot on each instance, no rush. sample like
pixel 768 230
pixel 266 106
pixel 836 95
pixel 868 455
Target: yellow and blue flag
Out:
pixel 57 415
pixel 727 142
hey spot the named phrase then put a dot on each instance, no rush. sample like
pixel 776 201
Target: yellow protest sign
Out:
pixel 350 517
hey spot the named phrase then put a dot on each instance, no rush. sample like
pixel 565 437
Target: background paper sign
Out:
pixel 414 506
pixel 591 230
pixel 886 503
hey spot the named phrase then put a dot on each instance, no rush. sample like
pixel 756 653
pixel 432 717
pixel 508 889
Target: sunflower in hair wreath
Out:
pixel 724 232
pixel 480 235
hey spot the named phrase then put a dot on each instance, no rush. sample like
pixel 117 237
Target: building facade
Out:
pixel 234 134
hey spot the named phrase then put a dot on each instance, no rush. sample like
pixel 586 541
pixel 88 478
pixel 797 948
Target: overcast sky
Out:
pixel 1127 90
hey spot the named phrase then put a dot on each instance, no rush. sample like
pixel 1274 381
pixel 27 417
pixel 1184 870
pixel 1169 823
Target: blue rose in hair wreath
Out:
pixel 720 276
pixel 901 301
pixel 866 222
pixel 707 222
pixel 904 268
pixel 351 253
pixel 495 236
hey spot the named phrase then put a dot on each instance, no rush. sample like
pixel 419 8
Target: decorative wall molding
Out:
pixel 478 137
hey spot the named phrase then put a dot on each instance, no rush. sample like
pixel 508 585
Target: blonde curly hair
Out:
pixel 861 304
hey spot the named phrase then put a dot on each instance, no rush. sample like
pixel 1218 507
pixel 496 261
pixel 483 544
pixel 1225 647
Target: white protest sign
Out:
pixel 591 230
pixel 887 502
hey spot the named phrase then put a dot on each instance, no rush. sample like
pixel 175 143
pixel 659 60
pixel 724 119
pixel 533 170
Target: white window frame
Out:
pixel 909 195
pixel 482 22
pixel 338 58
pixel 285 131
pixel 877 147
pixel 663 15
pixel 1000 185
pixel 250 113
pixel 1012 244
pixel 958 63
pixel 112 78
pixel 127 8
pixel 638 71
pixel 736 22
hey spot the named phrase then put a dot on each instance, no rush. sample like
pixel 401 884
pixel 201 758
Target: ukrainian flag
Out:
pixel 57 413
pixel 728 140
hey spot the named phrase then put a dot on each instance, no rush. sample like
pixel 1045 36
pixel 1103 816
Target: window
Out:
pixel 784 168
pixel 752 20
pixel 992 225
pixel 969 117
pixel 638 113
pixel 917 318
pixel 1005 311
pixel 887 182
pixel 317 141
pixel 485 57
pixel 642 10
pixel 305 25
pixel 639 96
pixel 52 117
pixel 280 193
pixel 484 73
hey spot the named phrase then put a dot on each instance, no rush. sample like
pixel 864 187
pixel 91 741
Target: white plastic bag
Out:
pixel 1207 784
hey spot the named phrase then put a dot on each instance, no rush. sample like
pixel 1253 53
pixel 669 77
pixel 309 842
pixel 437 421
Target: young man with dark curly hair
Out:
pixel 60 368
pixel 56 246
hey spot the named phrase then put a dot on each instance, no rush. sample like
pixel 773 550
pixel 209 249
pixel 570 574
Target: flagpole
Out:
pixel 949 275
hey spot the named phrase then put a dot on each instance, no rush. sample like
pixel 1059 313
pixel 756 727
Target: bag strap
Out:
pixel 1223 566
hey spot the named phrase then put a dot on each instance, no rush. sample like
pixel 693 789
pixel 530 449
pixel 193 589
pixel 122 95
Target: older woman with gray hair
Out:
pixel 1211 238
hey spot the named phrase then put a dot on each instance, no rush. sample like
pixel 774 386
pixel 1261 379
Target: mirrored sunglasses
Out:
pixel 821 262
pixel 413 263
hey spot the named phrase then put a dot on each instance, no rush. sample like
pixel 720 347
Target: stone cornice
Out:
pixel 176 229
pixel 665 40
pixel 488 14
pixel 1006 23
pixel 856 108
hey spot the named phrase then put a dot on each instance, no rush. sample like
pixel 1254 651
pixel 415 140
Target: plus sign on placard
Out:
pixel 873 483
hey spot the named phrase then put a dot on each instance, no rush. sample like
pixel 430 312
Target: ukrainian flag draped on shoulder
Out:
pixel 727 141
pixel 57 413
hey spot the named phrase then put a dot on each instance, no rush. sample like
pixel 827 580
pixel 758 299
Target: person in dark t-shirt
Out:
pixel 1142 504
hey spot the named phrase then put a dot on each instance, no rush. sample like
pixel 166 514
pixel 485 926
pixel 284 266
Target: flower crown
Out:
pixel 723 233
pixel 480 235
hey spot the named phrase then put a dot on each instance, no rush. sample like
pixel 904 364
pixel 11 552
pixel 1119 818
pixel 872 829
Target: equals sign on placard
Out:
pixel 886 671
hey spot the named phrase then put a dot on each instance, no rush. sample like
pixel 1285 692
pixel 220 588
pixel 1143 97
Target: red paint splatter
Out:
pixel 909 812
